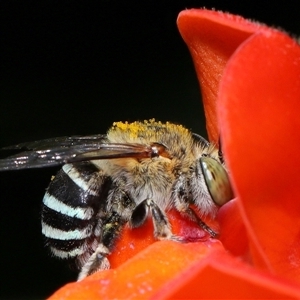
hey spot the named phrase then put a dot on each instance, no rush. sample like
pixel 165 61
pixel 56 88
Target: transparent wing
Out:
pixel 63 141
pixel 61 150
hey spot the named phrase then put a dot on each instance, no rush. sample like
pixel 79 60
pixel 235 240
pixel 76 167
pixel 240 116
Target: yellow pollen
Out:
pixel 136 128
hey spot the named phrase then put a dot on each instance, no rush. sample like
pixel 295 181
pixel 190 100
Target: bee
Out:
pixel 135 171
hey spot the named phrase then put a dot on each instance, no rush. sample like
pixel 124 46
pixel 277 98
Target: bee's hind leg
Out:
pixel 97 261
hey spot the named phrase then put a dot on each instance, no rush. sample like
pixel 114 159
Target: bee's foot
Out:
pixel 97 261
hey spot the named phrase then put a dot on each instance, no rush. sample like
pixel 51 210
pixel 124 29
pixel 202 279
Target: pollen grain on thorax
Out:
pixel 136 129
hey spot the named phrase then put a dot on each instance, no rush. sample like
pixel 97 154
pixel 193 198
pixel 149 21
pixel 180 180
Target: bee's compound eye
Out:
pixel 217 180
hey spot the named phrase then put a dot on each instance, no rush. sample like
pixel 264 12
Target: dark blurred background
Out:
pixel 74 67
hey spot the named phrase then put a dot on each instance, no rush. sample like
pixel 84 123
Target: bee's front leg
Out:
pixel 190 214
pixel 186 211
pixel 183 200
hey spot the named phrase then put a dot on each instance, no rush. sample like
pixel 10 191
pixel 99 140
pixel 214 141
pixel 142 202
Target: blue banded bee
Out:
pixel 136 170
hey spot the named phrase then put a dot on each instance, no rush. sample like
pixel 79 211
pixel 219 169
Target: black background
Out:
pixel 74 67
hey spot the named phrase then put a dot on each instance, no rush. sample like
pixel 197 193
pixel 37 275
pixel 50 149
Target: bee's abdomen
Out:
pixel 70 206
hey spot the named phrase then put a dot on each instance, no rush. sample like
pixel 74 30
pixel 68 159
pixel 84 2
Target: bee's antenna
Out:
pixel 200 139
pixel 220 153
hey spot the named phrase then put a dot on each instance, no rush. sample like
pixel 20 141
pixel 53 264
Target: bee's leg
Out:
pixel 98 260
pixel 139 214
pixel 190 214
pixel 182 201
pixel 162 226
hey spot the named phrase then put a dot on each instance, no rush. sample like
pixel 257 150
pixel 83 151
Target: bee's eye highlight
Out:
pixel 217 180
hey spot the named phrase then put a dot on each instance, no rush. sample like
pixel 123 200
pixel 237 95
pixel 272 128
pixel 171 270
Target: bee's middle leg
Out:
pixel 162 226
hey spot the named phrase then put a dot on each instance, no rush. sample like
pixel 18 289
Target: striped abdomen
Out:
pixel 71 211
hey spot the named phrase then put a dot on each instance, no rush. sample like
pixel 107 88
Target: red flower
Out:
pixel 250 80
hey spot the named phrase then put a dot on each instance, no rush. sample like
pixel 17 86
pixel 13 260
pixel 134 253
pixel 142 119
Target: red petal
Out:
pixel 259 112
pixel 233 233
pixel 251 75
pixel 220 276
pixel 212 38
pixel 141 276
